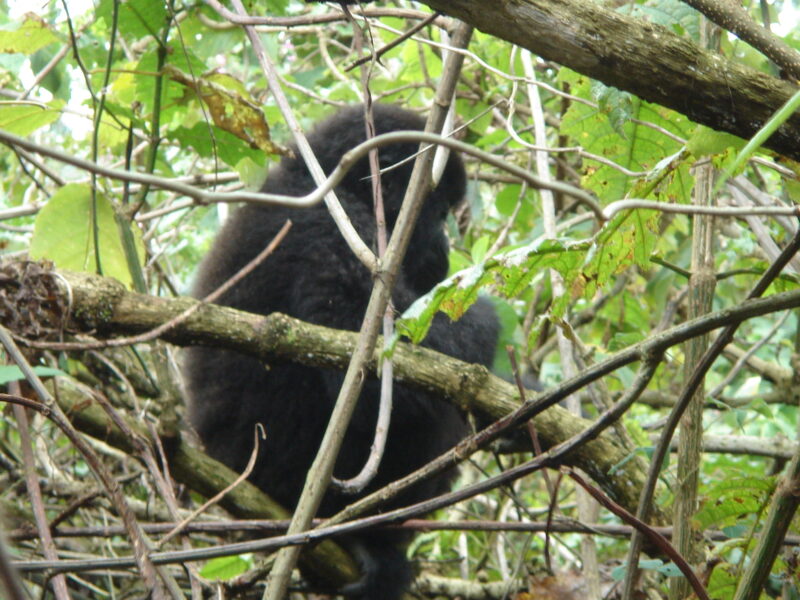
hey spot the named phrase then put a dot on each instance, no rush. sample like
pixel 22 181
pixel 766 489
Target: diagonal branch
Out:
pixel 101 306
pixel 639 57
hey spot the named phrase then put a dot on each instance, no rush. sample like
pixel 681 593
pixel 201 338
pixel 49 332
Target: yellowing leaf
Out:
pixel 230 109
pixel 33 35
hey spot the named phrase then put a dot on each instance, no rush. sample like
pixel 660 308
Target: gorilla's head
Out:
pixel 426 261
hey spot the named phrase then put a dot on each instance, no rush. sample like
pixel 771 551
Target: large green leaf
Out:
pixel 32 35
pixel 25 118
pixel 63 233
pixel 136 18
pixel 610 132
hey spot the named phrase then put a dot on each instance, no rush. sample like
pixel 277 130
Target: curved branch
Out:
pixel 348 160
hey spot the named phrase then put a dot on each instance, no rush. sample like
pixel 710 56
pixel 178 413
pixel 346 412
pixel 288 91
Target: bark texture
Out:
pixel 639 57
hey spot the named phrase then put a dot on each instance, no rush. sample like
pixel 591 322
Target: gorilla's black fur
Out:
pixel 315 277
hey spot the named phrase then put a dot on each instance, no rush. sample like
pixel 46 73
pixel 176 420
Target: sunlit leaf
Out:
pixel 32 35
pixel 64 234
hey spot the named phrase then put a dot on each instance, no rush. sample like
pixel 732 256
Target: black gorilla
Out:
pixel 315 277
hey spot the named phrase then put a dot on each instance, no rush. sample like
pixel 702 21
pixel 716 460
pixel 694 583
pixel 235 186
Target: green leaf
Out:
pixel 616 104
pixel 627 143
pixel 209 140
pixel 730 499
pixel 136 18
pixel 14 373
pixel 623 340
pixel 726 512
pixel 626 239
pixel 506 199
pixel 479 248
pixel 510 334
pixel 277 7
pixel 172 93
pixel 63 234
pixel 705 142
pixel 511 273
pixel 30 37
pixel 56 80
pixel 653 564
pixel 676 15
pixel 723 487
pixel 412 57
pixel 251 173
pixel 226 567
pixel 23 119
pixel 477 114
pixel 310 77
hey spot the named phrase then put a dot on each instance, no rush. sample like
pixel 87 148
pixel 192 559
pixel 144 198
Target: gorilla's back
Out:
pixel 314 276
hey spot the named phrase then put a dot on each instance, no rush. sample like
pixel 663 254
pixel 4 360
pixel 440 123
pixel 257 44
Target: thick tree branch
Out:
pixel 639 57
pixel 103 307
